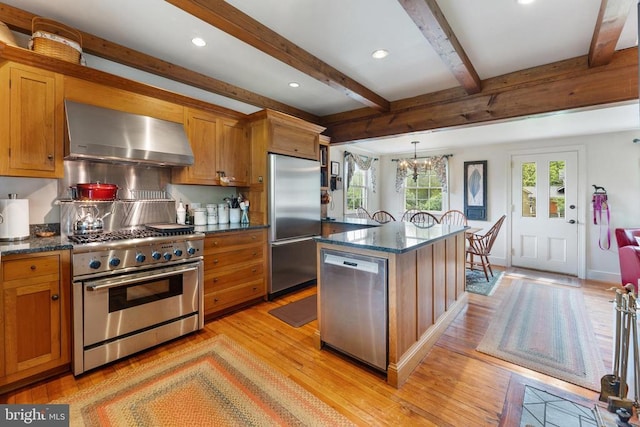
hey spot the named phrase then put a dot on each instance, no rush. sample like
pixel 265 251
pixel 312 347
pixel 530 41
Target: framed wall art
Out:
pixel 475 190
pixel 335 168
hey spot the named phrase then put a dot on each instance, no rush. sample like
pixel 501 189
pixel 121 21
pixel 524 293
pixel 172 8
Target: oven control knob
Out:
pixel 94 264
pixel 114 262
pixel 140 257
pixel 191 251
pixel 156 255
pixel 177 252
pixel 167 256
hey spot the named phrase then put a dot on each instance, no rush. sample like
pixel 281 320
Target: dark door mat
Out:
pixel 299 312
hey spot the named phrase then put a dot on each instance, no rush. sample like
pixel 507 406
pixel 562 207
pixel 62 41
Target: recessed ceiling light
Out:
pixel 525 1
pixel 198 42
pixel 294 84
pixel 380 53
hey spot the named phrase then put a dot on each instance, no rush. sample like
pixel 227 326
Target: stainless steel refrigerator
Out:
pixel 294 219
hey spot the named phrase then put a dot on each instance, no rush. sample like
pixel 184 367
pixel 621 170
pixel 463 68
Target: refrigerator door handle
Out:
pixel 286 242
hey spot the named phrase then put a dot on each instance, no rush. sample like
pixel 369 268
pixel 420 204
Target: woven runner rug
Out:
pixel 546 328
pixel 214 383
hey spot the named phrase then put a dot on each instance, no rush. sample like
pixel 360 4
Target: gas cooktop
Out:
pixel 131 233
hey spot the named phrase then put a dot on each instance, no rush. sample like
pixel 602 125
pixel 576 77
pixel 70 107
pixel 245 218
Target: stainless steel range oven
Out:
pixel 133 289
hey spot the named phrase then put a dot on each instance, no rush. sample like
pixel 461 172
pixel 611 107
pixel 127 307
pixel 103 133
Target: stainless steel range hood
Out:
pixel 107 135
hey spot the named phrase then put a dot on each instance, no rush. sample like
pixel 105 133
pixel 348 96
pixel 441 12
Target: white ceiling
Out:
pixel 499 37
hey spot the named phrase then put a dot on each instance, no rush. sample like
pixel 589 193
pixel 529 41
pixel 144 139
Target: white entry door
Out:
pixel 544 214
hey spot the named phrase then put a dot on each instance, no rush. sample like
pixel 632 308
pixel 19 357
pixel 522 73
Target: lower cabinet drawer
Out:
pixel 30 267
pixel 231 257
pixel 215 281
pixel 217 301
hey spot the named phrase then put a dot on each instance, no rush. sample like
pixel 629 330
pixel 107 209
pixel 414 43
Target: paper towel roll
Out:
pixel 14 219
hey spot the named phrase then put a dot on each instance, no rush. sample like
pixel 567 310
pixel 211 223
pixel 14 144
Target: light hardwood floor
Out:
pixel 453 386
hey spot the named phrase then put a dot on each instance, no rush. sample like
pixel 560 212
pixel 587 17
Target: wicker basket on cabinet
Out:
pixel 57 40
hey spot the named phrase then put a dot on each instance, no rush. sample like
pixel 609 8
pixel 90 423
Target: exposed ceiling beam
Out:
pixel 611 19
pixel 561 86
pixel 241 26
pixel 20 20
pixel 434 26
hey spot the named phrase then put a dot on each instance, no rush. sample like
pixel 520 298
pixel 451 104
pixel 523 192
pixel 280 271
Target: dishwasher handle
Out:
pixel 355 264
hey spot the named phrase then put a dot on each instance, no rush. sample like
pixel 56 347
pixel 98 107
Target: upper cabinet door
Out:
pixel 202 130
pixel 233 152
pixel 32 142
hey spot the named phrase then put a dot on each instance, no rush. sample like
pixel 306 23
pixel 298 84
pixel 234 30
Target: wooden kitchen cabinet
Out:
pixel 35 316
pixel 220 148
pixel 32 118
pixel 275 132
pixel 235 266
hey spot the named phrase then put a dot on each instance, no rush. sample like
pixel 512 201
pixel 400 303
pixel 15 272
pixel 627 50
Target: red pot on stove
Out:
pixel 96 191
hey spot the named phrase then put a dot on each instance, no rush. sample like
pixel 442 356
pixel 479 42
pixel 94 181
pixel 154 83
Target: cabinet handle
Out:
pixel 55 297
pixel 33 268
pixel 50 157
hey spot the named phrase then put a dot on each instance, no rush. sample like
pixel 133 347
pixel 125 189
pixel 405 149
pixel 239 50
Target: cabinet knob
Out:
pixel 55 297
pixel 254 254
pixel 215 280
pixel 50 157
pixel 253 270
pixel 215 261
pixel 253 237
pixel 216 300
pixel 33 268
pixel 215 243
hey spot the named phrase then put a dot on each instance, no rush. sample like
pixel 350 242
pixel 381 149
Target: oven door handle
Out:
pixel 97 285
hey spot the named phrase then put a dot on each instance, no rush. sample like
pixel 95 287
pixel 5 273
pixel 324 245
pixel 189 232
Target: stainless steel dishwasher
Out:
pixel 353 306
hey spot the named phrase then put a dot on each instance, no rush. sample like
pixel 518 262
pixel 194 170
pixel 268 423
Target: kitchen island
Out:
pixel 425 286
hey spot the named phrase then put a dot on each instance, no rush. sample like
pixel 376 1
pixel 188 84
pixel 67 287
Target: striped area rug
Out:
pixel 214 383
pixel 546 328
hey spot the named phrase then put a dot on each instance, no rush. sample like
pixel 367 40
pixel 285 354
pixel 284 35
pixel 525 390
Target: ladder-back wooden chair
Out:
pixel 406 216
pixel 424 219
pixel 454 217
pixel 382 217
pixel 362 213
pixel 480 246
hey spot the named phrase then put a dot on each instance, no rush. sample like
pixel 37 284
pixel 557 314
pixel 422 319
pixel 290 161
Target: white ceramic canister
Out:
pixel 199 216
pixel 234 215
pixel 223 213
pixel 14 218
pixel 212 213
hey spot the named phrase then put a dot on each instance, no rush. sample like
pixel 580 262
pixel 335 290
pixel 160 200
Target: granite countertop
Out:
pixel 221 228
pixel 396 237
pixel 36 244
pixel 352 221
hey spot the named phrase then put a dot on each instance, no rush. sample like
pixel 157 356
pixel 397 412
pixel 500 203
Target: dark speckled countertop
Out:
pixel 396 237
pixel 55 243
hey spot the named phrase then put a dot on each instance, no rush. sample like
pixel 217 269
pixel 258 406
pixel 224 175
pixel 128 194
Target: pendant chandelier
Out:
pixel 412 165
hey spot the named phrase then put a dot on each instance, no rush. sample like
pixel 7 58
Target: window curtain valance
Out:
pixel 364 163
pixel 438 164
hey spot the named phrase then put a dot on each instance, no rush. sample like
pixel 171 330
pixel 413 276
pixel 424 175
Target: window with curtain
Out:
pixel 424 194
pixel 360 179
pixel 429 190
pixel 356 195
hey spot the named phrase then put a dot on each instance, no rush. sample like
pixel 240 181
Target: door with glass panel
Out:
pixel 544 214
